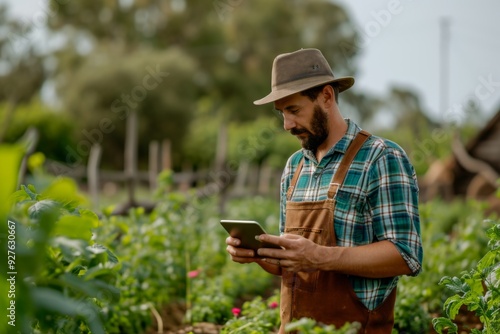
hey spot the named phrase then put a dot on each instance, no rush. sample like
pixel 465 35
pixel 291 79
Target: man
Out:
pixel 349 207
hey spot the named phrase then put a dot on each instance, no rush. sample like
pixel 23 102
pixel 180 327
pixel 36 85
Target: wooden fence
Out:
pixel 248 180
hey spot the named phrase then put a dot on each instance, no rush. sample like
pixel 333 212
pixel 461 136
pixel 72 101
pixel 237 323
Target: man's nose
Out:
pixel 288 123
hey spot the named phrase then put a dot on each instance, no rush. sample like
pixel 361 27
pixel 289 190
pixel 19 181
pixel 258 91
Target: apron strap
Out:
pixel 341 173
pixel 351 152
pixel 294 180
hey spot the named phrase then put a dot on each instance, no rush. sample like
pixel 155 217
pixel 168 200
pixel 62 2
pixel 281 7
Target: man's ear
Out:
pixel 328 96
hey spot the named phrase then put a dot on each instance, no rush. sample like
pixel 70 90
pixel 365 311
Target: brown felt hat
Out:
pixel 298 71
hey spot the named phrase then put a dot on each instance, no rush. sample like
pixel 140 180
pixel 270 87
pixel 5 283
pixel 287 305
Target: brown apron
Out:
pixel 327 296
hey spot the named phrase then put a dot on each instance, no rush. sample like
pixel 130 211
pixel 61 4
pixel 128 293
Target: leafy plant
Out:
pixel 457 229
pixel 256 316
pixel 176 255
pixel 410 314
pixel 65 279
pixel 213 298
pixel 209 301
pixel 478 290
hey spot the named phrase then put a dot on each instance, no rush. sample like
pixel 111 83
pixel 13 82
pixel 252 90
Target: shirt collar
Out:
pixel 342 145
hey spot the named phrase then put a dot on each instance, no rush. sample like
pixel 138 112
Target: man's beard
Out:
pixel 319 130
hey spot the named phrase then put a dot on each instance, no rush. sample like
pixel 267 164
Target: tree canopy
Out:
pixel 185 67
pixel 218 57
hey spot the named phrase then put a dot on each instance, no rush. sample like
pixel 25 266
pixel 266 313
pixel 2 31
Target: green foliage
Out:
pixel 477 289
pixel 256 316
pixel 214 71
pixel 10 156
pixel 456 229
pixel 410 314
pixel 158 85
pixel 55 128
pixel 261 141
pixel 207 300
pixel 309 326
pixel 65 279
pixel 177 254
pixel 212 298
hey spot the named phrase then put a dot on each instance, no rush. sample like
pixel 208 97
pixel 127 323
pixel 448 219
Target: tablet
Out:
pixel 246 230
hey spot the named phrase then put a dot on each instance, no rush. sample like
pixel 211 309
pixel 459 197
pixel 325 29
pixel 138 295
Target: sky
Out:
pixel 402 44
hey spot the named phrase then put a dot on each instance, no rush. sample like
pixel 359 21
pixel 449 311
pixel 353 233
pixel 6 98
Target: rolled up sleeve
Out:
pixel 393 198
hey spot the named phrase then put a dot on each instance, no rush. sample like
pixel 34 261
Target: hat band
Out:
pixel 298 84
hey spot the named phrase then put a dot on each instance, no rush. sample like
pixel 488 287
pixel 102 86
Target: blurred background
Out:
pixel 112 93
pixel 133 126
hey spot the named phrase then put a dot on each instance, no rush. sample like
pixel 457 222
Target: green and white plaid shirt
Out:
pixel 378 201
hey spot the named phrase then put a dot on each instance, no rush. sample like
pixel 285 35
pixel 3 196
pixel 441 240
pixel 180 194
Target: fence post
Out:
pixel 265 175
pixel 154 164
pixel 93 173
pixel 131 155
pixel 220 160
pixel 166 154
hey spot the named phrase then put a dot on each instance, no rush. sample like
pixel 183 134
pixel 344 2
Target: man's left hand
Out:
pixel 298 253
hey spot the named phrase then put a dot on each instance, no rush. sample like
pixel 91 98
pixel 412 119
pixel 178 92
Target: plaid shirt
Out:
pixel 378 201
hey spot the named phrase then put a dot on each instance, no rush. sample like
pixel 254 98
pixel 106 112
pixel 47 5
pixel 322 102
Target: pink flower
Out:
pixel 236 311
pixel 273 305
pixel 193 273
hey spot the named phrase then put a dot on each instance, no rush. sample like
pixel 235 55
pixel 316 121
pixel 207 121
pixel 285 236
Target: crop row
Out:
pixel 116 274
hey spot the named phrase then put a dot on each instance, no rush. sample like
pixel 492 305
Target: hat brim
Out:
pixel 344 83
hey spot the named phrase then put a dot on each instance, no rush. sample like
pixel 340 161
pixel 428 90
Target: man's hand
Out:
pixel 376 260
pixel 244 255
pixel 298 253
pixel 238 254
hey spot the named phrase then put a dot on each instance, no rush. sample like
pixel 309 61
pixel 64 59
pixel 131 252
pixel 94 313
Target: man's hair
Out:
pixel 312 93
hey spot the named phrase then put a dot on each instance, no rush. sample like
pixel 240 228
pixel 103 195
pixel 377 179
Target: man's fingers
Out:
pixel 272 239
pixel 286 240
pixel 233 241
pixel 240 252
pixel 271 252
pixel 245 259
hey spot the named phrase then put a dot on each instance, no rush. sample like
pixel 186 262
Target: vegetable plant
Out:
pixel 478 290
pixel 65 280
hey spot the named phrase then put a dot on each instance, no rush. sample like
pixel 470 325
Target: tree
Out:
pixel 230 43
pixel 22 72
pixel 104 93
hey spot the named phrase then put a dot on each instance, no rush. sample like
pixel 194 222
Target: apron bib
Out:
pixel 327 296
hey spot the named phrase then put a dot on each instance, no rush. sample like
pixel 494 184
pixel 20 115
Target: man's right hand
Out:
pixel 245 255
pixel 238 254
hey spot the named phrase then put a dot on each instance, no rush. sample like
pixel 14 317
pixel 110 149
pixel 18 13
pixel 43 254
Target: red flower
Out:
pixel 193 273
pixel 273 305
pixel 236 311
